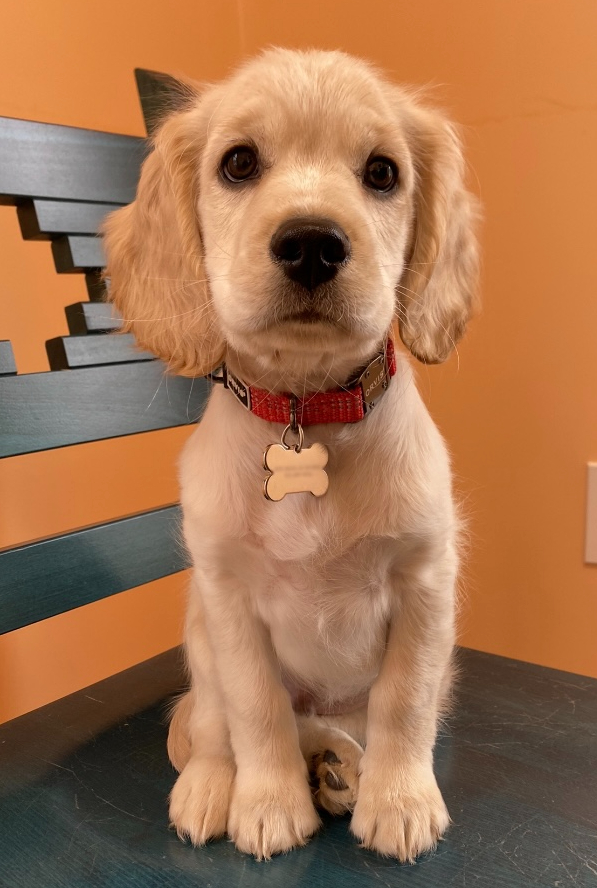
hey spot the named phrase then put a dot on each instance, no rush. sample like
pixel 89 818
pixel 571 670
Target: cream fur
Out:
pixel 350 595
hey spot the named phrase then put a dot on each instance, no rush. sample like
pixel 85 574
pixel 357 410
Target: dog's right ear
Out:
pixel 155 257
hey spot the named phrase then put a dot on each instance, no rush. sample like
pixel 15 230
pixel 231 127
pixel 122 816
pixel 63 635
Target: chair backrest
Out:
pixel 63 181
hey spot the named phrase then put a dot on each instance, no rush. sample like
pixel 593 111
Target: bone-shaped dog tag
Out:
pixel 295 470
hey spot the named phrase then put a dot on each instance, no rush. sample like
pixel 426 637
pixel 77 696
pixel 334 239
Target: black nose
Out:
pixel 310 250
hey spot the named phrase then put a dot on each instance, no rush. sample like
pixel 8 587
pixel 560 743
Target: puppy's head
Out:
pixel 294 211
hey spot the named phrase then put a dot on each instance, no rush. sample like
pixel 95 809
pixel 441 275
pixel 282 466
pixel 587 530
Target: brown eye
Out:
pixel 381 174
pixel 240 163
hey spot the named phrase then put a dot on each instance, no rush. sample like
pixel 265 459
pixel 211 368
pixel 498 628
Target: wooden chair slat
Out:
pixel 49 577
pixel 90 317
pixel 8 366
pixel 42 411
pixel 45 219
pixel 72 352
pixel 66 163
pixel 159 94
pixel 76 253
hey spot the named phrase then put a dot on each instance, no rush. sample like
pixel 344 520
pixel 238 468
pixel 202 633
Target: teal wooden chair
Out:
pixel 84 781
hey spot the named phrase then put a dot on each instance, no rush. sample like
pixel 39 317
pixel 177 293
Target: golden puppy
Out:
pixel 284 221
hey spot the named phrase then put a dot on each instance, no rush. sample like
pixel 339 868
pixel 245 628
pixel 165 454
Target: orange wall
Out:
pixel 519 411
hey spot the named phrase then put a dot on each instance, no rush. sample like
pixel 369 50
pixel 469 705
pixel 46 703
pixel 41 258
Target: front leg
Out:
pixel 271 809
pixel 199 742
pixel 400 811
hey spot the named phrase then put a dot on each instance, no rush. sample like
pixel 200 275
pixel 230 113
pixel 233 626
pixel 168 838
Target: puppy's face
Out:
pixel 292 212
pixel 306 207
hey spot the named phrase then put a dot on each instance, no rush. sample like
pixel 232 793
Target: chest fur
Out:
pixel 328 616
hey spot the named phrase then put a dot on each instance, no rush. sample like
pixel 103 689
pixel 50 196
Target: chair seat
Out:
pixel 84 785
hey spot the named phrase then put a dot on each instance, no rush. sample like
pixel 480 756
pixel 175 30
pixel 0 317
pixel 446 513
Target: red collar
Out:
pixel 349 404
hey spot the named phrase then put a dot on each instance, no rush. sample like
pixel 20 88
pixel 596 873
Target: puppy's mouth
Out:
pixel 305 316
pixel 324 307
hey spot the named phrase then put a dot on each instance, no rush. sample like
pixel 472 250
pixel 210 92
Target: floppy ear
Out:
pixel 154 255
pixel 437 292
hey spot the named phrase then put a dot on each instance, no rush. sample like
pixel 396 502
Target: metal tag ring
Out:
pixel 301 438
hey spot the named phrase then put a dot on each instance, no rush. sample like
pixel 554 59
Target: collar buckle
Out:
pixel 374 381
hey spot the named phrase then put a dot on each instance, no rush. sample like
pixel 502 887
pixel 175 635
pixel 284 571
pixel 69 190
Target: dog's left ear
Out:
pixel 437 292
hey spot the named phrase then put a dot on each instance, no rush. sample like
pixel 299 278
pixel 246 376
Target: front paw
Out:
pixel 271 815
pixel 200 799
pixel 400 812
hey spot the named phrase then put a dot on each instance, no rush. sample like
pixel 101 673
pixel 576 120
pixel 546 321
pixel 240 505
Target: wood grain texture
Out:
pixel 44 219
pixel 7 359
pixel 49 577
pixel 91 317
pixel 66 163
pixel 41 411
pixel 159 94
pixel 76 253
pixel 84 785
pixel 72 352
